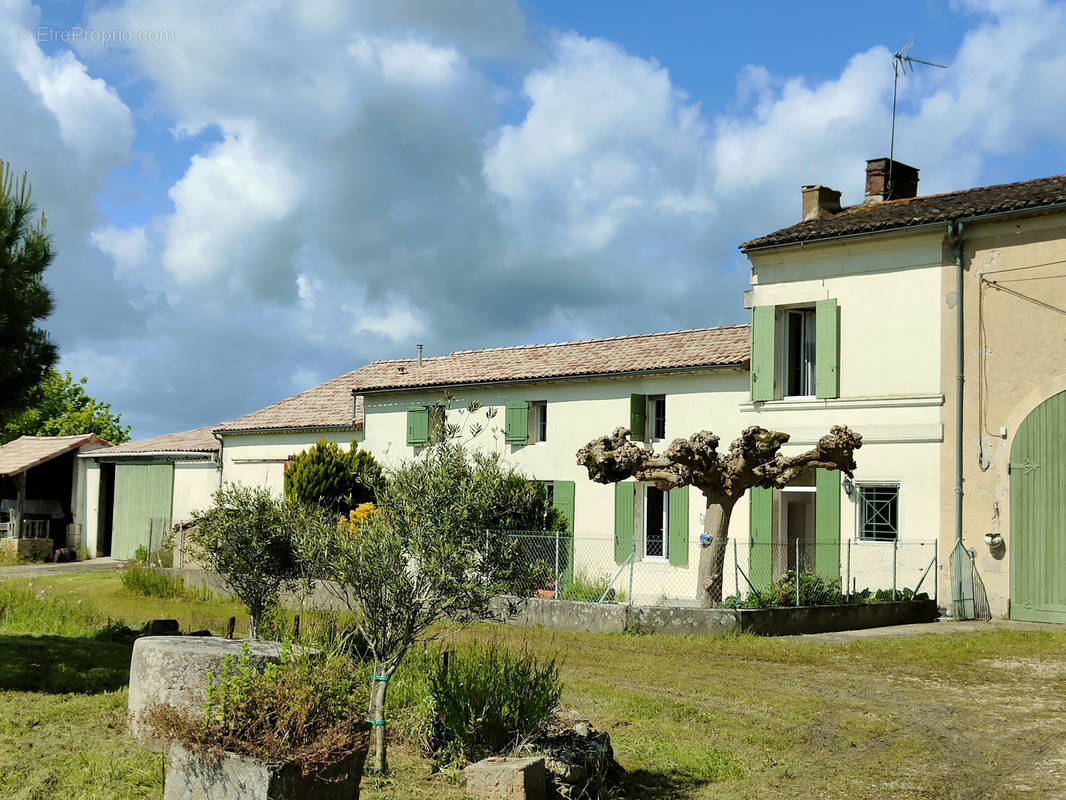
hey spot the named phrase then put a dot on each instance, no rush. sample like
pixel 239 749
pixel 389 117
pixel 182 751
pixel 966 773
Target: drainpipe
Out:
pixel 955 242
pixel 220 459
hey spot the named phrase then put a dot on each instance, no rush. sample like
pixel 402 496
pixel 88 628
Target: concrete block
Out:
pixel 209 776
pixel 507 779
pixel 173 669
pixel 28 549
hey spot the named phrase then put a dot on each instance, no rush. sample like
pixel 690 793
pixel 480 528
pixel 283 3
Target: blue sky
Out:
pixel 248 198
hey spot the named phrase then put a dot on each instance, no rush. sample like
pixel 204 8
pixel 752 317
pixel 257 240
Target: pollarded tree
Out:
pixel 25 252
pixel 753 460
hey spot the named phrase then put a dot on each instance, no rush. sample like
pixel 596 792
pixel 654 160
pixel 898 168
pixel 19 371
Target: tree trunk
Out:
pixel 712 554
pixel 378 689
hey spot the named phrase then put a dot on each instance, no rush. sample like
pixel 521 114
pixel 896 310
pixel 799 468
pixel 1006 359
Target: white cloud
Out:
pixel 397 323
pixel 407 61
pixel 93 121
pixel 232 218
pixel 128 248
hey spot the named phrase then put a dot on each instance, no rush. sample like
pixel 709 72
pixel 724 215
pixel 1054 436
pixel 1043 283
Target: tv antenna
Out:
pixel 901 62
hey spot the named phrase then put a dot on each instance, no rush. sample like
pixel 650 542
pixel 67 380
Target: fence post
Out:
pixel 555 592
pixel 798 572
pixel 895 549
pixel 736 577
pixel 936 571
pixel 847 574
pixel 632 561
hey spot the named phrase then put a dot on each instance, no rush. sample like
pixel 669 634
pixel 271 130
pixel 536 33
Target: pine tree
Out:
pixel 25 253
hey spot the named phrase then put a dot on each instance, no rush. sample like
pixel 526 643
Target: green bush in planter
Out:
pixel 308 709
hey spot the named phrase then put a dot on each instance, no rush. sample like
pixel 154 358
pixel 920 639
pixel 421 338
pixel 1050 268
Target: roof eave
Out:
pixel 1014 212
pixel 186 454
pixel 730 366
pixel 290 429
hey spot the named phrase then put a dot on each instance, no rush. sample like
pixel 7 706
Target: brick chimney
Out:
pixel 819 201
pixel 889 180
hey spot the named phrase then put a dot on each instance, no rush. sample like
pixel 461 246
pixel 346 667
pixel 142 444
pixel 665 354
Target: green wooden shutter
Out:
pixel 827 524
pixel 516 425
pixel 826 349
pixel 761 525
pixel 623 521
pixel 143 493
pixel 638 417
pixel 679 527
pixel 762 352
pixel 563 499
pixel 417 425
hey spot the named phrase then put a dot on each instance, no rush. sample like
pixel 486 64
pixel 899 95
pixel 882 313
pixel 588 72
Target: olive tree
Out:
pixel 247 538
pixel 753 460
pixel 435 548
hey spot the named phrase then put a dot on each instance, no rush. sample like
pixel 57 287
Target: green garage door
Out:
pixel 1038 514
pixel 143 492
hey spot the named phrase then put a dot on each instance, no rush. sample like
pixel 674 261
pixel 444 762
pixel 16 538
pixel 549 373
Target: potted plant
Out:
pixel 294 729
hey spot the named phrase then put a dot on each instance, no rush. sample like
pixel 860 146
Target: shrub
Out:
pixel 308 708
pixel 815 590
pixel 488 700
pixel 589 590
pixel 338 480
pixel 150 582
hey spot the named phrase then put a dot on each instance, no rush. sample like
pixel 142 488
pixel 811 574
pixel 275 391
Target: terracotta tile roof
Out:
pixel 199 440
pixel 27 452
pixel 703 347
pixel 905 213
pixel 330 405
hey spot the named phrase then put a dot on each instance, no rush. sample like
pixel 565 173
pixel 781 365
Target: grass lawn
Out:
pixel 935 716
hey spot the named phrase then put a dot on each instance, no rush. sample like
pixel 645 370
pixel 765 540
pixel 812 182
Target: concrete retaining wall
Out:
pixel 568 615
pixel 572 616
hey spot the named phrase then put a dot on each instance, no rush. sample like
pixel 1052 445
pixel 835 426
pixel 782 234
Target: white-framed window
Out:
pixel 877 512
pixel 655 524
pixel 799 355
pixel 538 421
pixel 656 417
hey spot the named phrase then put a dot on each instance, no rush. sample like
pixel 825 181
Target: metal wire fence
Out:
pixel 596 569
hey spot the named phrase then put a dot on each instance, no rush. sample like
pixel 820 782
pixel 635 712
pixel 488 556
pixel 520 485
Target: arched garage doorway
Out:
pixel 1038 514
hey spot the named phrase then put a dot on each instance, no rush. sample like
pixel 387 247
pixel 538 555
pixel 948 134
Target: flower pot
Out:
pixel 230 776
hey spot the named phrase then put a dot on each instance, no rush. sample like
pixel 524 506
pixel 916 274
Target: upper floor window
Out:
pixel 538 421
pixel 799 352
pixel 656 416
pixel 526 422
pixel 647 417
pixel 795 351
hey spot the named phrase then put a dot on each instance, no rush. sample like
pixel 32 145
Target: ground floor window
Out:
pixel 877 519
pixel 656 523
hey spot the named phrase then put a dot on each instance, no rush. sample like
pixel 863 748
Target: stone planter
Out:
pixel 172 670
pixel 229 776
